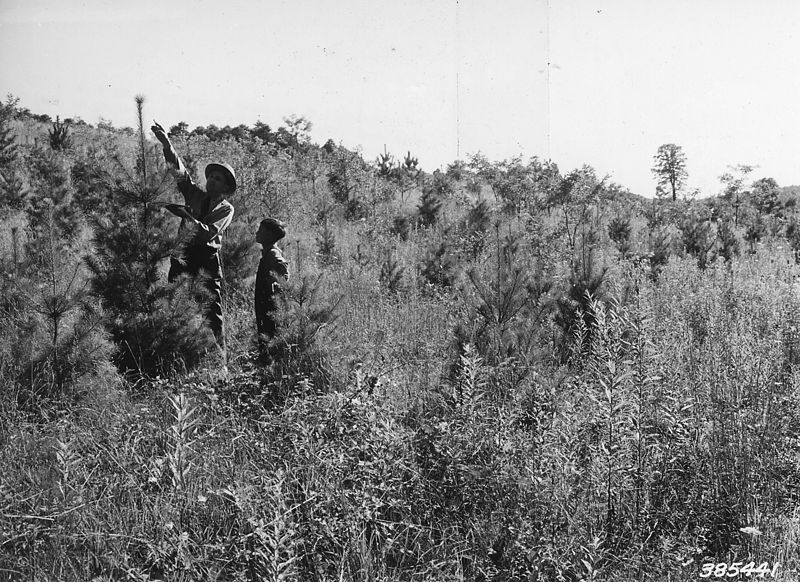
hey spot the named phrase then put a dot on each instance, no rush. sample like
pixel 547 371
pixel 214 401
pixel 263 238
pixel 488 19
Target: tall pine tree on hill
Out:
pixel 157 327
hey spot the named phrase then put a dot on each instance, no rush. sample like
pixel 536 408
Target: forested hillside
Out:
pixel 502 370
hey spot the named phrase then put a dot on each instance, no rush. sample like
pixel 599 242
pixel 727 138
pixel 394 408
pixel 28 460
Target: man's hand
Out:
pixel 161 134
pixel 179 210
pixel 170 155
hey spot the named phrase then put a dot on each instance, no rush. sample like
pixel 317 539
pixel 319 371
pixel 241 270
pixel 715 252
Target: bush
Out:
pixel 296 356
pixel 430 206
pixel 157 327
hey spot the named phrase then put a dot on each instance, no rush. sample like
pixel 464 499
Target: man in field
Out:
pixel 208 213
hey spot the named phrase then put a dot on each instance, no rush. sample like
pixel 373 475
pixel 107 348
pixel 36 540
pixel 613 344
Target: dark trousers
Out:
pixel 193 263
pixel 265 311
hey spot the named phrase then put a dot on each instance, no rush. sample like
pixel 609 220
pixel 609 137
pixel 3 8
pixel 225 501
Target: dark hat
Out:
pixel 225 169
pixel 274 226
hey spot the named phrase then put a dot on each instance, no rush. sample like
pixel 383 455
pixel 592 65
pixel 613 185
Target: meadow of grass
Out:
pixel 445 402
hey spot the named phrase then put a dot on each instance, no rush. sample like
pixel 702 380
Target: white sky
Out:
pixel 721 78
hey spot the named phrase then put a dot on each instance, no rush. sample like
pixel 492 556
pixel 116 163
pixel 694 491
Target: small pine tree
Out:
pixel 698 239
pixel 407 175
pixel 385 164
pixel 55 288
pixel 237 256
pixel 12 188
pixel 326 245
pixel 91 184
pixel 430 206
pixel 296 352
pixel 158 327
pixel 728 242
pixel 439 267
pixel 659 250
pixel 8 143
pixel 355 209
pixel 585 285
pixel 507 304
pixel 756 229
pixel 391 275
pixel 477 225
pixel 13 192
pixel 401 227
pixel 479 217
pixel 340 179
pixel 619 231
pixel 52 194
pixel 793 236
pixel 59 135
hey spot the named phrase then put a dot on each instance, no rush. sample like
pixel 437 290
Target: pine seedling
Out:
pixel 793 237
pixel 385 163
pixel 295 350
pixel 181 436
pixel 391 275
pixel 477 224
pixel 430 207
pixel 728 242
pixel 755 231
pixel 506 304
pixel 411 165
pixel 8 144
pixel 619 231
pixel 479 217
pixel 158 326
pixel 697 238
pixel 401 227
pixel 62 290
pixel 659 250
pixel 439 267
pixel 12 189
pixel 326 245
pixel 361 257
pixel 341 177
pixel 59 135
pixel 407 175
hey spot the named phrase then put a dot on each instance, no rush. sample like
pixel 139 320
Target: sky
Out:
pixel 602 82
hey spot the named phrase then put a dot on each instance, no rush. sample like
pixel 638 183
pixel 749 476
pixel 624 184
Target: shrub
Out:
pixel 157 327
pixel 575 310
pixel 59 135
pixel 430 206
pixel 391 275
pixel 439 265
pixel 619 231
pixel 697 237
pixel 401 227
pixel 296 355
pixel 505 316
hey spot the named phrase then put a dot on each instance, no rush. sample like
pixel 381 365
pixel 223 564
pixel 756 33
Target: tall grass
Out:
pixel 471 431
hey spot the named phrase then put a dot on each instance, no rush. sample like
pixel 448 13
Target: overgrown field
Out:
pixel 500 372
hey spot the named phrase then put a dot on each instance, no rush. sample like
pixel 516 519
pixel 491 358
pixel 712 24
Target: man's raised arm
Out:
pixel 170 155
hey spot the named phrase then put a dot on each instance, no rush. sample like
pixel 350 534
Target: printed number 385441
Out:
pixel 723 569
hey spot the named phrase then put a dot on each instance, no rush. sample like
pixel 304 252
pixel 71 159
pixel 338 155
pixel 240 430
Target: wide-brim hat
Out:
pixel 225 169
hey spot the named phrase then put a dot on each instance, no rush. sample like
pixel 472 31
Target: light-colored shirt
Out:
pixel 213 221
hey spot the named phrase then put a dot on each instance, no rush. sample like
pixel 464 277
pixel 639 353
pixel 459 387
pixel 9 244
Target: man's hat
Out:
pixel 225 169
